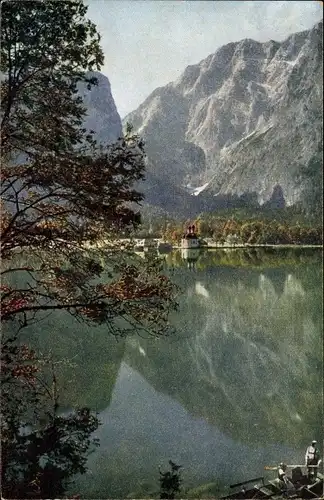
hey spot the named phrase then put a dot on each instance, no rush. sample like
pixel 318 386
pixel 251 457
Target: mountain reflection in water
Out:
pixel 240 386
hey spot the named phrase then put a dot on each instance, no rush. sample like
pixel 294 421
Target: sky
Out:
pixel 149 43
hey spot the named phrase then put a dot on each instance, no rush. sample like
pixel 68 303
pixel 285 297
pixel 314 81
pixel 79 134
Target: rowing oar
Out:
pixel 276 467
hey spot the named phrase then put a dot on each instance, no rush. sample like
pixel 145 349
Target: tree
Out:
pixel 40 449
pixel 310 179
pixel 65 199
pixel 66 190
pixel 218 230
pixel 46 49
pixel 170 481
pixel 231 228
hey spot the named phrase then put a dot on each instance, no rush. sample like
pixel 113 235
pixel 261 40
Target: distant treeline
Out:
pixel 281 226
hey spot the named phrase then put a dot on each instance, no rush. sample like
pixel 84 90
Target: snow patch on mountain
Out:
pixel 243 120
pixel 197 190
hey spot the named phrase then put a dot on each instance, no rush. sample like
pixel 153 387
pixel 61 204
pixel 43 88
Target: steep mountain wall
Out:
pixel 102 115
pixel 244 120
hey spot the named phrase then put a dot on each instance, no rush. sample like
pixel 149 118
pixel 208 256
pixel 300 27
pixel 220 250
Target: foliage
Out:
pixel 45 49
pixel 170 481
pixel 41 450
pixel 310 177
pixel 40 464
pixel 277 227
pixel 251 258
pixel 62 195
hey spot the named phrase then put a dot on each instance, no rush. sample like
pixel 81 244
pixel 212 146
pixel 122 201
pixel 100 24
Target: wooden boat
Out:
pixel 300 486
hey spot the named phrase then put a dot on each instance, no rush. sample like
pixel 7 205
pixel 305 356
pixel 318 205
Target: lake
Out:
pixel 240 385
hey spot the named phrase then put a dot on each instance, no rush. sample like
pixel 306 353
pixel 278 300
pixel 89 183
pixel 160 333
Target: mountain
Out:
pixel 246 358
pixel 102 116
pixel 245 121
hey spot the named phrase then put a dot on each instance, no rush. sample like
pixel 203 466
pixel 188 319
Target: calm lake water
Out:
pixel 239 387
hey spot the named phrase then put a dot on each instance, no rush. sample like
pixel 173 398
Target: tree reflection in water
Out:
pixel 247 362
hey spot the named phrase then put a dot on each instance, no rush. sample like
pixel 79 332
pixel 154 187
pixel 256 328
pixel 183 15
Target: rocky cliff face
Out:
pixel 244 120
pixel 102 116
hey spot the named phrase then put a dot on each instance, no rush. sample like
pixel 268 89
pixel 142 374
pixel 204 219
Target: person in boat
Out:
pixel 284 482
pixel 312 457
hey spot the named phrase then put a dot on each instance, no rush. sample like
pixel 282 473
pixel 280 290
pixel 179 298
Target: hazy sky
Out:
pixel 148 43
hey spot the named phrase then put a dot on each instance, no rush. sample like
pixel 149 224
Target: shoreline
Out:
pixel 123 244
pixel 263 245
